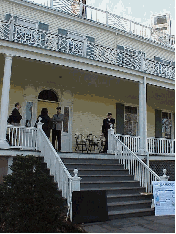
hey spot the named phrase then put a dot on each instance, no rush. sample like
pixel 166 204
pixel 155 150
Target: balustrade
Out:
pixel 122 56
pixel 134 164
pixel 156 146
pixel 161 146
pixel 66 183
pixel 22 137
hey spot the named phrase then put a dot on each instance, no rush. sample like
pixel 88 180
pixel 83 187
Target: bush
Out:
pixel 30 201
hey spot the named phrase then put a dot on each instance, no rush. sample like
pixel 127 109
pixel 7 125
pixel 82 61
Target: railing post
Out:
pixel 76 181
pixel 39 126
pixel 11 29
pixel 164 177
pixel 110 141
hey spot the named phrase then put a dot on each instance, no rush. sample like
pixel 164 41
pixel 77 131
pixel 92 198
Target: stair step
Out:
pixel 119 206
pixel 89 160
pixel 102 172
pixel 119 190
pixel 92 166
pixel 109 184
pixel 107 178
pixel 127 197
pixel 130 213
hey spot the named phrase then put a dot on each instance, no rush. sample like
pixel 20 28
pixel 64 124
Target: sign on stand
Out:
pixel 164 197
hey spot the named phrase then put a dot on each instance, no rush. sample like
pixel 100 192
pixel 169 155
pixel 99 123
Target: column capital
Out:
pixel 8 56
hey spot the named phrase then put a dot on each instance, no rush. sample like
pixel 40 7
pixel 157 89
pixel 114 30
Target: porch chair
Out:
pixel 81 142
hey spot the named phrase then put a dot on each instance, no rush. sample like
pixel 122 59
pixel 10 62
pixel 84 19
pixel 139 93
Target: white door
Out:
pixel 66 138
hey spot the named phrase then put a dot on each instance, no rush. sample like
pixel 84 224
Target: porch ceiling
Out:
pixel 81 63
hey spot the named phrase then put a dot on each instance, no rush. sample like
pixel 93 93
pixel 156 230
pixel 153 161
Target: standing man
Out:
pixel 57 128
pixel 106 125
pixel 15 116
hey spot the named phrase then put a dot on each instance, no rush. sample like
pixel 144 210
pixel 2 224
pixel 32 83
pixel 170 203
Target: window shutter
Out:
pixel 119 118
pixel 158 123
pixel 90 47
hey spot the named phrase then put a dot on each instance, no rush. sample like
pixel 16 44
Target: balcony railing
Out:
pixel 113 20
pixel 120 56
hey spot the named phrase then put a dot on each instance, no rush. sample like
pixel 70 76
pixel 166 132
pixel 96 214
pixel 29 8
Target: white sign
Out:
pixel 164 197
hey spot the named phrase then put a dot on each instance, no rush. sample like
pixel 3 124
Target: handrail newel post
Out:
pixel 39 127
pixel 110 141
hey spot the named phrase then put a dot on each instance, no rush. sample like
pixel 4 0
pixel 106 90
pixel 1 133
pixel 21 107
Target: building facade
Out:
pixel 51 57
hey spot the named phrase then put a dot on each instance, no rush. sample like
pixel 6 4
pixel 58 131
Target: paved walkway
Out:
pixel 145 224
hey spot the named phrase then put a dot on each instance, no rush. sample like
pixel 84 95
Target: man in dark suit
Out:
pixel 107 123
pixel 16 117
pixel 57 128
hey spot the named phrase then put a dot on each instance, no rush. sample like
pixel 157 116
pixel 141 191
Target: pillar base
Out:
pixel 4 144
pixel 142 152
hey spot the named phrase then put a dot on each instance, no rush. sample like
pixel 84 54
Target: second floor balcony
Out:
pixel 84 46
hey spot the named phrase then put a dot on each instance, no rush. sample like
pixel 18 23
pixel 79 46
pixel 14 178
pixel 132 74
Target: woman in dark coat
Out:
pixel 46 121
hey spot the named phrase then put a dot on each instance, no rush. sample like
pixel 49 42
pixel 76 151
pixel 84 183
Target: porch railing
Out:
pixel 22 137
pixel 132 142
pixel 134 164
pixel 160 146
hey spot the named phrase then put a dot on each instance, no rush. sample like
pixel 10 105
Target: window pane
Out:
pixel 66 119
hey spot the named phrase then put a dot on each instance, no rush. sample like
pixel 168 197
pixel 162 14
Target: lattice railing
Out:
pixel 120 56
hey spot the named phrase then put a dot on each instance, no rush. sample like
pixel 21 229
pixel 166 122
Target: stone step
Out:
pixel 120 206
pixel 130 213
pixel 106 178
pixel 108 184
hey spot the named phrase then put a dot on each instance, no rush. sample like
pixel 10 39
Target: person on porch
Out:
pixel 46 121
pixel 15 116
pixel 57 128
pixel 107 123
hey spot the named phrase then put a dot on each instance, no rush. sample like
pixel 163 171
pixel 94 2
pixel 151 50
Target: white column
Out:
pixel 145 117
pixel 142 118
pixel 5 101
pixel 10 162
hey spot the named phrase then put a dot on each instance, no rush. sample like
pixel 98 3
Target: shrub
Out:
pixel 30 201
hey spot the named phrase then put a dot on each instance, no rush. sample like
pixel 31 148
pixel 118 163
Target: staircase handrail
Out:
pixel 135 165
pixel 57 168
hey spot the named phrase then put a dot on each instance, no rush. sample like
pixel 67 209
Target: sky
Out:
pixel 138 10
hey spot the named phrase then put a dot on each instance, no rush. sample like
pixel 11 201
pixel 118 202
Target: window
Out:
pixel 29 106
pixel 131 121
pixel 48 95
pixel 66 119
pixel 166 125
